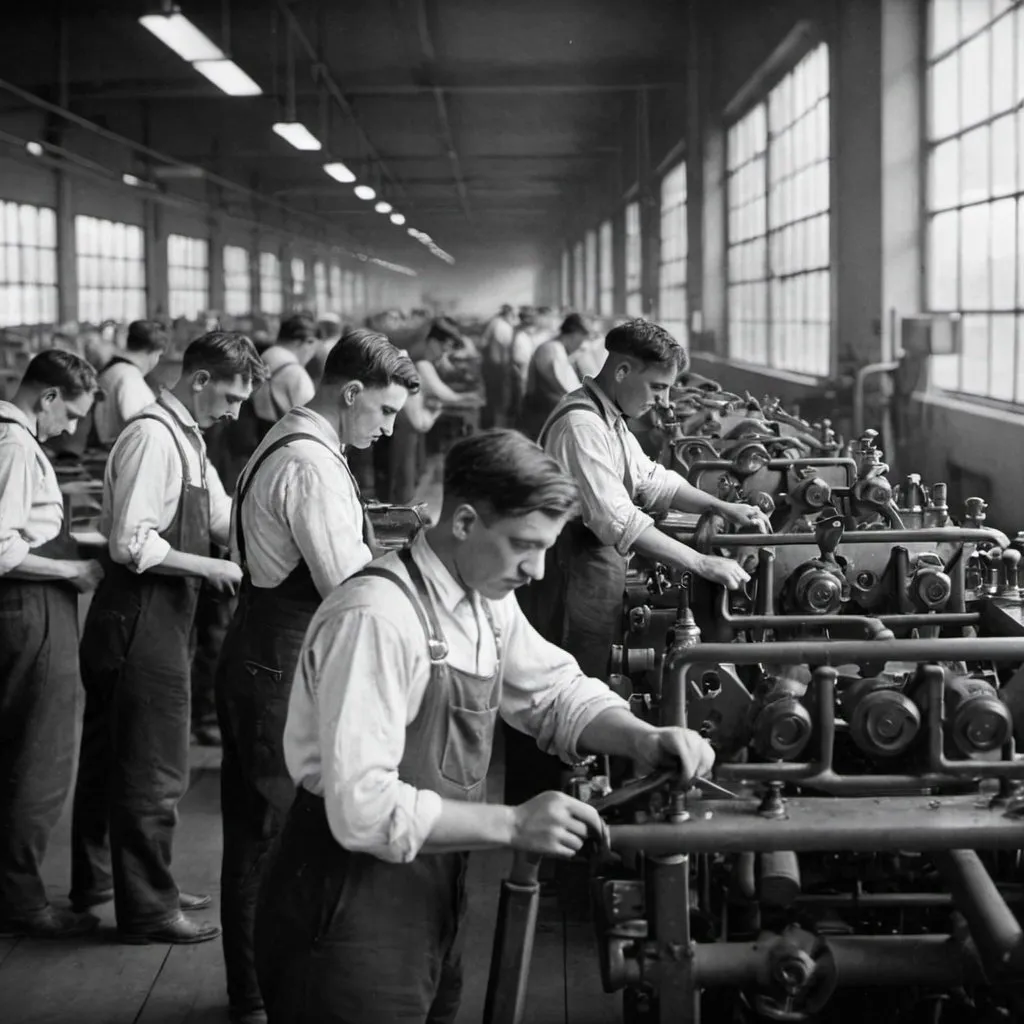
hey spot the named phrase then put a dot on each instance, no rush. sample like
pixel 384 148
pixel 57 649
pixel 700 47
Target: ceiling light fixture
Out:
pixel 177 32
pixel 35 148
pixel 295 133
pixel 398 218
pixel 365 192
pixel 130 179
pixel 339 172
pixel 383 207
pixel 228 77
pixel 414 232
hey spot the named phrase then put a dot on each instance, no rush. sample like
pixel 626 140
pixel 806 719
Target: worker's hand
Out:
pixel 224 576
pixel 743 517
pixel 671 746
pixel 720 570
pixel 87 575
pixel 555 825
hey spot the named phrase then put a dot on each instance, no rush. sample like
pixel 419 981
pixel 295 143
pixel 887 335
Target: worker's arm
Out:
pixel 220 507
pixel 420 416
pixel 559 369
pixel 432 387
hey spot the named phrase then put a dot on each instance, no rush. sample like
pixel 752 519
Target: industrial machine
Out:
pixel 856 854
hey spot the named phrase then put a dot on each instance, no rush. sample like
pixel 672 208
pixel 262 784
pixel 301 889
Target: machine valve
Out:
pixel 977 721
pixel 883 721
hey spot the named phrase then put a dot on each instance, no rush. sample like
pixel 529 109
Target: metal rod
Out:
pixel 926 535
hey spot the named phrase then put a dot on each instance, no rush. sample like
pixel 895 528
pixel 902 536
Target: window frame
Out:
pixel 633 246
pixel 606 268
pixel 130 290
pixel 237 281
pixel 679 326
pixel 14 257
pixel 197 243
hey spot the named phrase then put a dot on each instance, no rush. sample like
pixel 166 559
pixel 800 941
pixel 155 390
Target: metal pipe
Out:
pixel 858 392
pixel 994 928
pixel 925 535
pixel 778 465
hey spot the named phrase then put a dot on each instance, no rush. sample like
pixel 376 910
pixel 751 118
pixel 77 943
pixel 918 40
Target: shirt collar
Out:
pixel 9 411
pixel 449 592
pixel 609 410
pixel 178 411
pixel 318 423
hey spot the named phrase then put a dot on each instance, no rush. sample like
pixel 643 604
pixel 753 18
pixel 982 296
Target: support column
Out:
pixel 215 232
pixel 67 266
pixel 156 259
pixel 694 182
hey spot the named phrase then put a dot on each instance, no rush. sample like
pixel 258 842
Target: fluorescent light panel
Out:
pixel 339 172
pixel 298 135
pixel 383 207
pixel 228 77
pixel 35 148
pixel 398 218
pixel 177 32
pixel 365 192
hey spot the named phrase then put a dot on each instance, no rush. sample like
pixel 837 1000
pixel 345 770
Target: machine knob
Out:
pixel 975 509
pixel 783 729
pixel 978 721
pixel 819 592
pixel 931 588
pixel 883 722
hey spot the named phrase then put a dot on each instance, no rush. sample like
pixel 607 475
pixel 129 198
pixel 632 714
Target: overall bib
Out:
pixel 39 683
pixel 254 680
pixel 347 938
pixel 133 767
pixel 577 606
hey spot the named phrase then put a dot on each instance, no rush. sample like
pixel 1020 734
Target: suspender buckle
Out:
pixel 438 651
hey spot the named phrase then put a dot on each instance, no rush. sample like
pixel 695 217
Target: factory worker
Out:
pixel 402 675
pixel 551 375
pixel 288 384
pixel 41 577
pixel 162 504
pixel 123 379
pixel 298 531
pixel 578 603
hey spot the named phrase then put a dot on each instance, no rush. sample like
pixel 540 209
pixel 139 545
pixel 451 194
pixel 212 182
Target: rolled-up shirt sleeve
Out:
pixel 142 464
pixel 544 692
pixel 362 668
pixel 587 450
pixel 655 485
pixel 15 503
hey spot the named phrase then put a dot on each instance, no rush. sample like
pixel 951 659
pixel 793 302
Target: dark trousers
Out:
pixel 213 616
pixel 39 685
pixel 254 679
pixel 133 765
pixel 406 459
pixel 345 938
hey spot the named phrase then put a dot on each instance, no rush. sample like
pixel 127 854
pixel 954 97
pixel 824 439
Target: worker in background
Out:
pixel 551 375
pixel 496 345
pixel 298 532
pixel 41 577
pixel 402 675
pixel 578 603
pixel 328 332
pixel 162 504
pixel 524 341
pixel 123 379
pixel 288 383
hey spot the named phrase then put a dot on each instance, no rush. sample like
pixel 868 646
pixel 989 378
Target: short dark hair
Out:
pixel 55 368
pixel 574 324
pixel 648 342
pixel 297 327
pixel 225 355
pixel 146 336
pixel 370 358
pixel 504 472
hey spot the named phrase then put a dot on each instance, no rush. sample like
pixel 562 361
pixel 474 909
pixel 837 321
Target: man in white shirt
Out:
pixel 41 577
pixel 298 531
pixel 551 375
pixel 403 673
pixel 496 346
pixel 288 385
pixel 123 379
pixel 162 504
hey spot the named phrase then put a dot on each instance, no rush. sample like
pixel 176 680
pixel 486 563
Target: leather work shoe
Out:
pixel 186 900
pixel 179 931
pixel 51 923
pixel 189 901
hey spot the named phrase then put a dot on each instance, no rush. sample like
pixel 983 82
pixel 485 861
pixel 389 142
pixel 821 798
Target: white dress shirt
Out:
pixel 125 394
pixel 302 506
pixel 142 485
pixel 597 451
pixel 31 504
pixel 362 673
pixel 289 384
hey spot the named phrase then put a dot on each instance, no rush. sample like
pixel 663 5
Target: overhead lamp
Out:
pixel 228 77
pixel 298 135
pixel 365 192
pixel 177 32
pixel 34 148
pixel 425 238
pixel 414 232
pixel 383 207
pixel 398 218
pixel 130 179
pixel 339 172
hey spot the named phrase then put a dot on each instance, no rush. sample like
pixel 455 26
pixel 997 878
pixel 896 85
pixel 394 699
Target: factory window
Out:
pixel 236 281
pixel 28 265
pixel 298 281
pixel 188 276
pixel 111 264
pixel 606 292
pixel 579 270
pixel 672 271
pixel 634 287
pixel 590 283
pixel 778 199
pixel 335 289
pixel 975 188
pixel 270 283
pixel 359 301
pixel 566 282
pixel 348 292
pixel 320 287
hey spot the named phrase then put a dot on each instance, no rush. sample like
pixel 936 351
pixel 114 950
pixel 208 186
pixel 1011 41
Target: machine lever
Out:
pixel 637 788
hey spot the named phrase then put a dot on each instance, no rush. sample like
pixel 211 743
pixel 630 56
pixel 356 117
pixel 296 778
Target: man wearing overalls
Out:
pixel 402 675
pixel 578 604
pixel 299 530
pixel 41 577
pixel 162 504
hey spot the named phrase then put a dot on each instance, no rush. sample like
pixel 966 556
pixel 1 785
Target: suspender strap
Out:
pixel 177 444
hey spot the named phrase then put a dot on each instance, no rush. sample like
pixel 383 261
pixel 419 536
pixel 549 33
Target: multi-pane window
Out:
pixel 111 267
pixel 335 289
pixel 975 188
pixel 579 271
pixel 188 276
pixel 565 291
pixel 270 283
pixel 320 287
pixel 28 265
pixel 590 290
pixel 672 269
pixel 236 281
pixel 634 286
pixel 348 292
pixel 359 301
pixel 298 281
pixel 606 289
pixel 778 194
